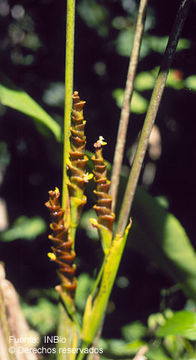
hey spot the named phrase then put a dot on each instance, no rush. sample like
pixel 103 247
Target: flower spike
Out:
pixel 78 161
pixel 104 200
pixel 62 252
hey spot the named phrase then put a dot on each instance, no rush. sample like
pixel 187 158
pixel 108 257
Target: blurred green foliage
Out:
pixel 182 323
pixel 24 228
pixel 138 104
pixel 43 316
pixel 124 43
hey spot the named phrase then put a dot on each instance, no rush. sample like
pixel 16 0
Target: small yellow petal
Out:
pixel 87 177
pixel 90 176
pixel 52 256
pixel 57 189
pixel 94 222
pixel 102 141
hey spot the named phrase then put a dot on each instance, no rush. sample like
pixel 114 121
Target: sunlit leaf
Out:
pixel 190 82
pixel 182 323
pixel 124 43
pixel 158 44
pixel 24 228
pixel 157 353
pixel 144 81
pixel 174 79
pixel 21 101
pixel 138 104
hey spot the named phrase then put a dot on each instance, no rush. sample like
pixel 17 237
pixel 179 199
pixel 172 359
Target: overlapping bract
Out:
pixel 78 160
pixel 62 244
pixel 104 200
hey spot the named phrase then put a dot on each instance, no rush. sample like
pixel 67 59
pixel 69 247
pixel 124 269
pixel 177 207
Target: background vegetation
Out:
pixel 32 59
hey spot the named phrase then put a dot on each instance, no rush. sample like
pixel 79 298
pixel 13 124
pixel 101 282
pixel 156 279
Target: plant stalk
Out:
pixel 67 327
pixel 95 310
pixel 67 330
pixel 125 112
pixel 69 69
pixel 151 114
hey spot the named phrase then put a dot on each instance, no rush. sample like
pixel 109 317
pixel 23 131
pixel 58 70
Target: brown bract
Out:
pixel 62 244
pixel 78 160
pixel 104 200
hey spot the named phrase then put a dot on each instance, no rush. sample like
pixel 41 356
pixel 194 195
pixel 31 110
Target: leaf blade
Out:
pixel 182 323
pixel 19 100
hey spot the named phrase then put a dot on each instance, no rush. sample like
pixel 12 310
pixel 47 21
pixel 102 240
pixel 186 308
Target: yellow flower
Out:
pixel 94 222
pixel 87 176
pixel 52 256
pixel 101 141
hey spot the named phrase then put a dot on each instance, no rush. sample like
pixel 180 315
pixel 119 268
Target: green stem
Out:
pixel 98 279
pixel 66 326
pixel 94 311
pixel 68 332
pixel 151 114
pixel 69 66
pixel 125 112
pixel 82 355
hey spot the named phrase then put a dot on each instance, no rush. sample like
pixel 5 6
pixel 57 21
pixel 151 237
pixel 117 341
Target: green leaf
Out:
pixel 144 81
pixel 42 316
pixel 174 80
pixel 119 348
pixel 190 82
pixel 86 225
pixel 85 285
pixel 159 236
pixel 118 96
pixel 124 43
pixel 159 44
pixel 157 353
pixel 21 101
pixel 95 15
pixel 24 228
pixel 138 103
pixel 182 323
pixel 134 331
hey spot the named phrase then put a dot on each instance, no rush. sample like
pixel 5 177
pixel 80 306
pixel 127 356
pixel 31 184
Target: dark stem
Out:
pixel 151 114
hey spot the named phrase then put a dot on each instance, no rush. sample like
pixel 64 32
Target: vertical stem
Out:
pixel 125 112
pixel 66 326
pixel 69 66
pixel 67 331
pixel 151 114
